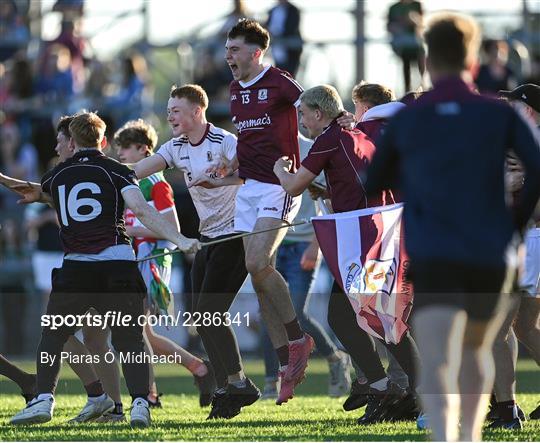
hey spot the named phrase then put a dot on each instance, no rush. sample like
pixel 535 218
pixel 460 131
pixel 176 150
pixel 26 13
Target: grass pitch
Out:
pixel 310 416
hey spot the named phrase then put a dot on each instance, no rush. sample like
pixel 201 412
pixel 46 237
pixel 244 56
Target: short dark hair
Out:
pixel 452 40
pixel 372 93
pixel 252 31
pixel 63 125
pixel 138 132
pixel 193 93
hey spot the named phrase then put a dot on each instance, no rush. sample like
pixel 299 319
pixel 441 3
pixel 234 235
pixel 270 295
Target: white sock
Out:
pixel 46 396
pixel 380 385
pixel 283 368
pixel 98 398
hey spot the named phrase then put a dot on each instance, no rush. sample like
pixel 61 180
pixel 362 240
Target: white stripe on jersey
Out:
pixel 293 81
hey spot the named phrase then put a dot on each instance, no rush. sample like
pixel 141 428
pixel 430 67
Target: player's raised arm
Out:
pixel 148 166
pixel 154 221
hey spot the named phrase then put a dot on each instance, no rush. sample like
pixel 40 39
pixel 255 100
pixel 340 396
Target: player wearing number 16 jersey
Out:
pixel 99 269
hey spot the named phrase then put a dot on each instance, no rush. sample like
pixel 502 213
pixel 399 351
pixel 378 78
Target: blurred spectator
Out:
pixel 17 93
pixel 494 74
pixel 284 27
pixel 71 39
pixel 17 159
pixel 69 8
pixel 404 24
pixel 239 11
pixel 42 227
pixel 14 33
pixel 128 103
pixel 212 74
pixel 54 82
pixel 14 284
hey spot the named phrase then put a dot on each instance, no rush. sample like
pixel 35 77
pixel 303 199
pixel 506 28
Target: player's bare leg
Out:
pixel 439 332
pixel 527 325
pixel 266 280
pixel 477 375
pixel 96 340
pixel 85 371
pixel 163 346
pixel 276 305
pixel 27 382
pixel 504 355
pixel 98 402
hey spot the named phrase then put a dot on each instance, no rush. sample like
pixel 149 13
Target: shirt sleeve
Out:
pixel 124 178
pixel 229 146
pixel 162 195
pixel 291 89
pixel 319 156
pixel 46 181
pixel 165 151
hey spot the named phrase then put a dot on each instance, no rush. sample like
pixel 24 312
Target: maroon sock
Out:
pixel 506 410
pixel 294 332
pixel 283 355
pixel 94 389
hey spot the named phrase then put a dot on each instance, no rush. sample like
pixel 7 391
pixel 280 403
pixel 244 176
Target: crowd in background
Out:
pixel 43 80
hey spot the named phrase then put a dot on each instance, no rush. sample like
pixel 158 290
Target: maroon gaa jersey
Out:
pixel 264 113
pixel 344 155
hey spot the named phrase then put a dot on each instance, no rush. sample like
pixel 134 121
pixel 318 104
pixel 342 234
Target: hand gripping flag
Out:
pixel 365 252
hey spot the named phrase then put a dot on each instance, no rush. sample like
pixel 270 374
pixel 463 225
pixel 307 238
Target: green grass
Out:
pixel 310 416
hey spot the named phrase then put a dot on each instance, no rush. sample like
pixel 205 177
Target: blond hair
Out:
pixel 194 94
pixel 453 41
pixel 325 98
pixel 87 129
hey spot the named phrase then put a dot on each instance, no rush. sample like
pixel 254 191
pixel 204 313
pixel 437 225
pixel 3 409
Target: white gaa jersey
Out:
pixel 214 206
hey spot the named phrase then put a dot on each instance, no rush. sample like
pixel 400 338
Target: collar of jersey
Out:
pixel 255 80
pixel 88 151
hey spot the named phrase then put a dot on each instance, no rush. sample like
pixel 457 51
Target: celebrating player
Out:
pixel 95 243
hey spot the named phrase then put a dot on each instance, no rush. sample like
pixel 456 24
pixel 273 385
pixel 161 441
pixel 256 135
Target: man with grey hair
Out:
pixel 343 155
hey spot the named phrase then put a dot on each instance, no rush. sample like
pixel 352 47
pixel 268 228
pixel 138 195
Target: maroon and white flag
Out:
pixel 365 252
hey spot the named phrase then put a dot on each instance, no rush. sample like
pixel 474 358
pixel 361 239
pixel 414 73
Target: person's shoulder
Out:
pixel 330 136
pixel 283 77
pixel 113 165
pixel 277 72
pixel 53 171
pixel 174 142
pixel 217 134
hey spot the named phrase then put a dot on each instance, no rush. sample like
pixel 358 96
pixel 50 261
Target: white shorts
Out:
pixel 42 265
pixel 530 279
pixel 257 199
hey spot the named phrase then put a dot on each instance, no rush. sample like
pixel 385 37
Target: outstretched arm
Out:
pixel 148 166
pixel 29 191
pixel 154 221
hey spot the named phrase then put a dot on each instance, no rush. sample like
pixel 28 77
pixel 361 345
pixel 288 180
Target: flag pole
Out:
pixel 221 240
